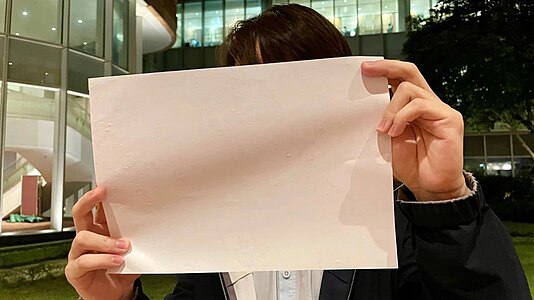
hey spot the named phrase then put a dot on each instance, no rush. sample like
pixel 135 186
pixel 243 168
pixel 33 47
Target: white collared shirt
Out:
pixel 282 285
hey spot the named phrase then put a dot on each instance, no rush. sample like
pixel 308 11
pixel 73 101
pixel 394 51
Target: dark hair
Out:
pixel 282 33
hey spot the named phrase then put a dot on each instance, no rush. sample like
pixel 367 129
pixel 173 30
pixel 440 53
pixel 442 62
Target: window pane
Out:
pixel 120 33
pixel 369 17
pixel 278 2
pixel 79 154
pixel 519 149
pixel 346 17
pixel 475 165
pixel 179 16
pixel 117 71
pixel 253 8
pixel 34 63
pixel 2 41
pixel 193 24
pixel 420 8
pixel 213 24
pixel 81 68
pixel 325 8
pixel 29 153
pixel 302 2
pixel 473 146
pixel 2 14
pixel 87 26
pixel 390 16
pixel 38 19
pixel 498 145
pixel 499 166
pixel 234 12
pixel 524 166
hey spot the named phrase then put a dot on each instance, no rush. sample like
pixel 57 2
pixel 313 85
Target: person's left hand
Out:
pixel 427 134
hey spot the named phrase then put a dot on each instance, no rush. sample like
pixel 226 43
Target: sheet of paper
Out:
pixel 263 167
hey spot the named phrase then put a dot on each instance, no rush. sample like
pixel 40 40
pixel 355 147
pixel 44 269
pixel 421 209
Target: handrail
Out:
pixel 12 177
pixel 28 107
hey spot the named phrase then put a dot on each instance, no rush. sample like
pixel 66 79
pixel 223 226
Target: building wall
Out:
pixel 371 27
pixel 48 50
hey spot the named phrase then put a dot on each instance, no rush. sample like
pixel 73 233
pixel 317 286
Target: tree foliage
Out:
pixel 478 55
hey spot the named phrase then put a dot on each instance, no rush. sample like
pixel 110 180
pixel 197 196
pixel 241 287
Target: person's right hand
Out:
pixel 93 252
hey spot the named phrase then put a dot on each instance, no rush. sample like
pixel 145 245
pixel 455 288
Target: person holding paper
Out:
pixel 450 243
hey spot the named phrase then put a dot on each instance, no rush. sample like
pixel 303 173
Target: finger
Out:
pixel 82 211
pixel 100 214
pixel 396 72
pixel 87 241
pixel 91 262
pixel 405 93
pixel 417 108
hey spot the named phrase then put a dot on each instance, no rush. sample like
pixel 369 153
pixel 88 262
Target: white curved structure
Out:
pixel 157 35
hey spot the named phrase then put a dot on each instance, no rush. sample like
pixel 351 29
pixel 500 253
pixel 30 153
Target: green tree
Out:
pixel 478 55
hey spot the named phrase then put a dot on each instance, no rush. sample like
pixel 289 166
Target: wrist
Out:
pixel 448 195
pixel 458 189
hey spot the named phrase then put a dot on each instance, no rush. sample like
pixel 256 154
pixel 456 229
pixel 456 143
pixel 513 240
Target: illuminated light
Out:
pixel 344 1
pixel 322 2
pixel 80 21
pixel 237 10
pixel 196 14
pixel 24 13
pixel 216 12
pixel 345 9
pixel 10 63
pixel 46 73
pixel 352 33
pixel 54 28
pixel 16 33
pixel 386 6
pixel 85 43
pixel 359 8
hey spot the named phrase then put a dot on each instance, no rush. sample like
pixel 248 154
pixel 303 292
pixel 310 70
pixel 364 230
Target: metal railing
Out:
pixel 14 172
pixel 28 107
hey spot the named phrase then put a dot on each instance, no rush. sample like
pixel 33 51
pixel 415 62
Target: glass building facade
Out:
pixel 499 153
pixel 371 27
pixel 205 23
pixel 49 48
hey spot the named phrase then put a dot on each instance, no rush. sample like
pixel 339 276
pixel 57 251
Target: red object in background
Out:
pixel 30 195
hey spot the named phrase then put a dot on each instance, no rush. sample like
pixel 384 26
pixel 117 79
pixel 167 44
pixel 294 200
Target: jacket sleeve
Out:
pixel 457 249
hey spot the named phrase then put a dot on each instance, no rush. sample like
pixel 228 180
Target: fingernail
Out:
pixel 117 260
pixel 121 244
pixel 382 125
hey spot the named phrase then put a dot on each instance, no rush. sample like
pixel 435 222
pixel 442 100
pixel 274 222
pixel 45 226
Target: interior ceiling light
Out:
pixel 54 28
pixel 10 63
pixel 24 13
pixel 16 33
pixel 80 21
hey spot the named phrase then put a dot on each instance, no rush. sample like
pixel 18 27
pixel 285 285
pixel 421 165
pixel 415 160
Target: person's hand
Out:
pixel 93 252
pixel 427 134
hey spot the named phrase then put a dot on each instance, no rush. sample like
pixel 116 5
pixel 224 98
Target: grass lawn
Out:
pixel 525 249
pixel 157 286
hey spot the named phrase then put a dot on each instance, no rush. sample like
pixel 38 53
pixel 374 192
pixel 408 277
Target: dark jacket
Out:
pixel 448 250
